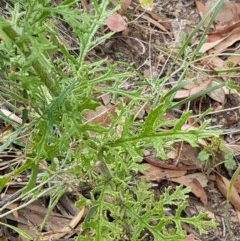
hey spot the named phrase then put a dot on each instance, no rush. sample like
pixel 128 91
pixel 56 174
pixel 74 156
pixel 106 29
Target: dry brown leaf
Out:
pixel 106 98
pixel 116 23
pixel 223 186
pixel 155 23
pixel 101 115
pixel 67 229
pixel 238 215
pixel 181 94
pixel 228 14
pixel 154 173
pixel 237 184
pixel 190 237
pixel 227 42
pixel 124 6
pixel 218 94
pixel 158 163
pixel 234 147
pixel 210 44
pixel 202 9
pixel 202 179
pixel 214 61
pixel 188 155
pixel 159 19
pixel 227 26
pixel 196 187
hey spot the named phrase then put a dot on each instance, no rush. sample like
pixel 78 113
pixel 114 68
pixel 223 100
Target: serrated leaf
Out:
pixel 154 115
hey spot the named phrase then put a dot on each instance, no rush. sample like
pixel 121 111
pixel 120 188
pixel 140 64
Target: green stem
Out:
pixel 46 78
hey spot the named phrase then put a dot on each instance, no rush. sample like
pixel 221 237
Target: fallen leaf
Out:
pixel 101 115
pixel 235 148
pixel 190 237
pixel 227 42
pixel 202 179
pixel 154 22
pixel 196 187
pixel 218 94
pixel 210 44
pixel 116 23
pixel 158 163
pixel 203 10
pixel 124 6
pixel 228 13
pixel 187 155
pixel 154 173
pixel 237 184
pixel 238 215
pixel 223 185
pixel 156 16
pixel 181 94
pixel 214 61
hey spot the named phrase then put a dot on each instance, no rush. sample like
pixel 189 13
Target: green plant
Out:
pixel 52 87
pixel 216 153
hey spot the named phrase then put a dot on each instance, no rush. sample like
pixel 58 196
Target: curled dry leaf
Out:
pixel 223 185
pixel 195 185
pixel 154 173
pixel 116 23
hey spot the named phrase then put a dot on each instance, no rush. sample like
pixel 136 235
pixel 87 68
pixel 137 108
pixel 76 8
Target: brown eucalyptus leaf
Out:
pixel 223 185
pixel 196 187
pixel 218 94
pixel 154 173
pixel 181 94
